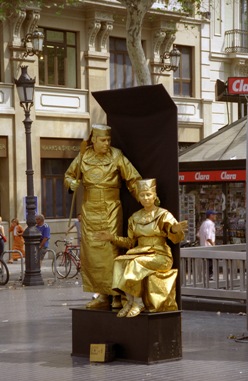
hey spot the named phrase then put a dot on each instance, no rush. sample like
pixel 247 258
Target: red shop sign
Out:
pixel 212 176
pixel 237 85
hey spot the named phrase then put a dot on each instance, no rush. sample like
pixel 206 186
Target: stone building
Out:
pixel 85 51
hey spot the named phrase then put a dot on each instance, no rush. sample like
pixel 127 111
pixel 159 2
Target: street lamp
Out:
pixel 171 60
pixel 33 43
pixel 32 236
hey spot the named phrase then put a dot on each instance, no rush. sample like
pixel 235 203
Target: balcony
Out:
pixel 236 41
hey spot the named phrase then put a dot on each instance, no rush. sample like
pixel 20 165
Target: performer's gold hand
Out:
pixel 74 185
pixel 103 235
pixel 181 226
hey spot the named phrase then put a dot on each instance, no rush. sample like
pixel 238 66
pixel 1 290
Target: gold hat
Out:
pixel 146 184
pixel 101 130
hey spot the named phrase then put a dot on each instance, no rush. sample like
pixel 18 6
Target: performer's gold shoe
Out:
pixel 101 302
pixel 116 302
pixel 124 311
pixel 135 310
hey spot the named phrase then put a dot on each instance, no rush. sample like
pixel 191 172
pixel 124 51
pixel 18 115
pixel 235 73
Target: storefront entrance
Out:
pixel 227 198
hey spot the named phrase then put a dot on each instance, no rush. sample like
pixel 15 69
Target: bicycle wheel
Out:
pixel 4 273
pixel 63 265
pixel 75 264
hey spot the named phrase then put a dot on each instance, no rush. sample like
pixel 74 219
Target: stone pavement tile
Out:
pixel 36 341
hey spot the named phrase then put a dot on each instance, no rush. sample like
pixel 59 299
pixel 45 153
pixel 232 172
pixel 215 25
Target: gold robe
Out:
pixel 102 177
pixel 145 270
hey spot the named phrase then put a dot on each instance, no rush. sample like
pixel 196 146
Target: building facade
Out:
pixel 85 51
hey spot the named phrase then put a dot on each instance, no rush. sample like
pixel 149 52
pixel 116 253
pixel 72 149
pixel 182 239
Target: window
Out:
pixel 121 71
pixel 58 64
pixel 244 25
pixel 56 201
pixel 183 75
pixel 243 14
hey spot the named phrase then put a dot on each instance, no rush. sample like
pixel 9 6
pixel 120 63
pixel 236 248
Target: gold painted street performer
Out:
pixel 102 171
pixel 144 274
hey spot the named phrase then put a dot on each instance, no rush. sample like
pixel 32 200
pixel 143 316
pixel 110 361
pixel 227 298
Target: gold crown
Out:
pixel 146 184
pixel 101 130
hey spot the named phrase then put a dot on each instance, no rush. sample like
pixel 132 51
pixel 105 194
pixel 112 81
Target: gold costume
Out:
pixel 145 270
pixel 102 177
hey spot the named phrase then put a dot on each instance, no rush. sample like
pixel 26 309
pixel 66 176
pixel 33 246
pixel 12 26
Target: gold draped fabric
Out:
pixel 102 177
pixel 146 270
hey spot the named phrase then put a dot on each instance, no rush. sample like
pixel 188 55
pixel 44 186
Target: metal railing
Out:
pixel 54 262
pixel 236 41
pixel 22 262
pixel 229 272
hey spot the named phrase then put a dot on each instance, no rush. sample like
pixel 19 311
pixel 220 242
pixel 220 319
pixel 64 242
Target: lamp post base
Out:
pixel 32 279
pixel 32 275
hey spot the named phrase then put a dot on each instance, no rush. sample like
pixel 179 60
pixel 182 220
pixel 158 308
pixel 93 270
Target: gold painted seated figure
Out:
pixel 144 274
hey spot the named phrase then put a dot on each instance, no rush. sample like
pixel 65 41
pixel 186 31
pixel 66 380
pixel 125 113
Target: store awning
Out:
pixel 229 143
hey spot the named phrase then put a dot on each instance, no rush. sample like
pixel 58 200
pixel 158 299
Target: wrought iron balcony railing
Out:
pixel 236 41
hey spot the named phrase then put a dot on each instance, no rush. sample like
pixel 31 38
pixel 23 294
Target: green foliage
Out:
pixel 190 7
pixel 9 8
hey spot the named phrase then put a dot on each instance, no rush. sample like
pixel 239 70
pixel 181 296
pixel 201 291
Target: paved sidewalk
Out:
pixel 36 331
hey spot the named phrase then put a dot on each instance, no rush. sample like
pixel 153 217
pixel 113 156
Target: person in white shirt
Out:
pixel 207 229
pixel 206 234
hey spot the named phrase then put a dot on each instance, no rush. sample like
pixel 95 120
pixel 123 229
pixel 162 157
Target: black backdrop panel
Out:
pixel 144 127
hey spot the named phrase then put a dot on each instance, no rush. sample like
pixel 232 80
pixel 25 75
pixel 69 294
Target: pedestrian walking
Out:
pixel 18 240
pixel 44 229
pixel 206 234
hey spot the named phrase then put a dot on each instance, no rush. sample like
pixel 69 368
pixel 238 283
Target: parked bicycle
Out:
pixel 4 272
pixel 67 261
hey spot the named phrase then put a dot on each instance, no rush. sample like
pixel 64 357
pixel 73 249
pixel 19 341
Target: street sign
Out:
pixel 238 85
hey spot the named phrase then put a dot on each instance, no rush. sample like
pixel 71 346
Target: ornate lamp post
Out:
pixel 171 60
pixel 33 43
pixel 25 89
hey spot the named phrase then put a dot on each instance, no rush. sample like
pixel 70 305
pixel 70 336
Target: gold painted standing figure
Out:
pixel 102 170
pixel 144 274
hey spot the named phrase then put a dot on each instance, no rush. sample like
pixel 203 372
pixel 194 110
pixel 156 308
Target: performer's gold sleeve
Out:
pixel 102 178
pixel 147 271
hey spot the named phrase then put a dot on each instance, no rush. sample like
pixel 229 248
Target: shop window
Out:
pixel 183 75
pixel 56 201
pixel 227 199
pixel 58 63
pixel 236 212
pixel 121 71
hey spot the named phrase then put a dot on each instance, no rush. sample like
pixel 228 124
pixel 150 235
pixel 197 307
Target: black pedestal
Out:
pixel 147 338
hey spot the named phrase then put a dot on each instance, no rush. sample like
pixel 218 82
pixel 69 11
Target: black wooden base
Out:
pixel 147 338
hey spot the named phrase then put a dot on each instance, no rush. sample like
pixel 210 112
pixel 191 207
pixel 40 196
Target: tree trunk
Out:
pixel 136 10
